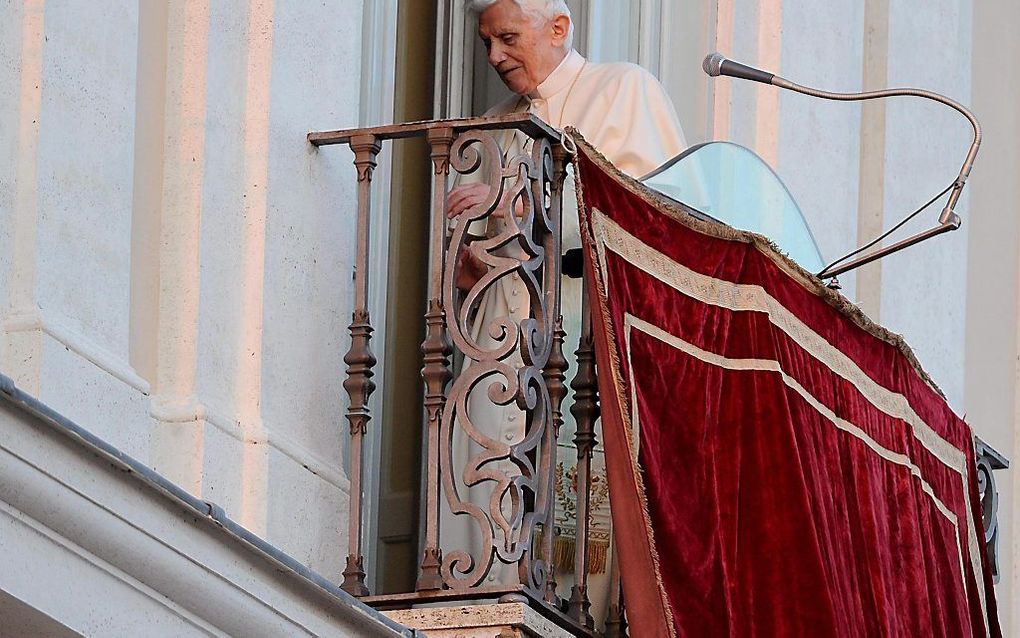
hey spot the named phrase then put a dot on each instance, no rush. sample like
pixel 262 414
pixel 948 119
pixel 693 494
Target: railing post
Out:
pixel 436 350
pixel 585 411
pixel 360 362
pixel 555 376
pixel 555 371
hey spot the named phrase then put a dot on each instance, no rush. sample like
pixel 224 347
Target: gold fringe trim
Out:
pixel 614 356
pixel 565 549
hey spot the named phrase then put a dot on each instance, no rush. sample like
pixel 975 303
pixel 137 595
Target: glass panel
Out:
pixel 733 185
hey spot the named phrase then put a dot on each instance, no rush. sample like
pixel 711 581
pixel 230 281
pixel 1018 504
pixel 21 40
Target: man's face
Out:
pixel 523 49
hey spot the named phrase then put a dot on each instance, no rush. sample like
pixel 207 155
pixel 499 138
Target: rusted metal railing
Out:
pixel 492 419
pixel 585 411
pixel 360 360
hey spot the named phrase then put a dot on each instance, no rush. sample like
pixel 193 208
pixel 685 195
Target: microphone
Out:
pixel 716 64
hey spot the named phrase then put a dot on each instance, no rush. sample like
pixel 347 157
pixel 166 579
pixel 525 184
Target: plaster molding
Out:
pixel 190 410
pixel 166 408
pixel 52 324
pixel 872 170
pixel 16 518
pixel 992 346
pixel 182 202
pixel 22 275
pixel 766 106
pixel 254 206
pixel 24 216
pixel 722 92
pixel 283 444
pixel 175 553
pixel 172 409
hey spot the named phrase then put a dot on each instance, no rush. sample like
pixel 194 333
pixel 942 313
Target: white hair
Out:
pixel 541 9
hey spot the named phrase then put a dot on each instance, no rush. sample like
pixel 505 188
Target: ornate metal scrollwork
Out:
pixel 502 486
pixel 988 460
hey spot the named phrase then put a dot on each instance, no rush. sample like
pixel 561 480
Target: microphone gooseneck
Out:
pixel 716 64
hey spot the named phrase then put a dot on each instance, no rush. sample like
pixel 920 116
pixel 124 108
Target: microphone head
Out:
pixel 713 64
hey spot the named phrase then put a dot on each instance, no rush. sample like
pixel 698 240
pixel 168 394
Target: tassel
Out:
pixel 598 551
pixel 563 554
pixel 565 547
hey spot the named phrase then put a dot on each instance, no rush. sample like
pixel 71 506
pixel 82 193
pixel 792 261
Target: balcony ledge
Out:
pixel 102 545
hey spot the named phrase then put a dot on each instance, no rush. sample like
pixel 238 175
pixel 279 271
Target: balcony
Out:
pixel 488 519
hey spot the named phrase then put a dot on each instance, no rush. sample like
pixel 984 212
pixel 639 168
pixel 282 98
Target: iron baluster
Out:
pixel 360 363
pixel 585 411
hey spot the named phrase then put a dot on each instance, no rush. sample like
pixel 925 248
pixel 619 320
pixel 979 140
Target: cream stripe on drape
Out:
pixel 743 298
pixel 769 365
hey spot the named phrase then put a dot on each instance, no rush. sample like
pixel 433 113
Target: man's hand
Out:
pixel 458 200
pixel 469 270
pixel 462 198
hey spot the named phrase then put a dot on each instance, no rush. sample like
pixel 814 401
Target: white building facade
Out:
pixel 176 260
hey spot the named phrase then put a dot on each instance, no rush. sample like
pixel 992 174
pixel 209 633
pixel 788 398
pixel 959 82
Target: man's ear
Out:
pixel 560 29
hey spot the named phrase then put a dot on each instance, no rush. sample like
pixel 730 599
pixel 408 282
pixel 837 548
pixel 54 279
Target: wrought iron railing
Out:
pixel 488 512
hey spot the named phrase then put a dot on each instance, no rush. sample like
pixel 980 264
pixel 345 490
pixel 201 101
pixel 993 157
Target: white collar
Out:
pixel 560 78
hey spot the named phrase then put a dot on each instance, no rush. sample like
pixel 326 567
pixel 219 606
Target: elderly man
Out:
pixel 620 108
pixel 624 112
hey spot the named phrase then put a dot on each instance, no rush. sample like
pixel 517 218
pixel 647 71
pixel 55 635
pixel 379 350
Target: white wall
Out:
pixel 175 258
pixel 923 290
pixel 990 390
pixel 818 146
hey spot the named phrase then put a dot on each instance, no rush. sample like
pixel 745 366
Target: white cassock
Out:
pixel 622 110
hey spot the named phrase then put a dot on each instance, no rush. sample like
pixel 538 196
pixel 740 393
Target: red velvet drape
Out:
pixel 779 466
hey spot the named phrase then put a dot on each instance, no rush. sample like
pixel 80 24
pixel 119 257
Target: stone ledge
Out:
pixel 504 620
